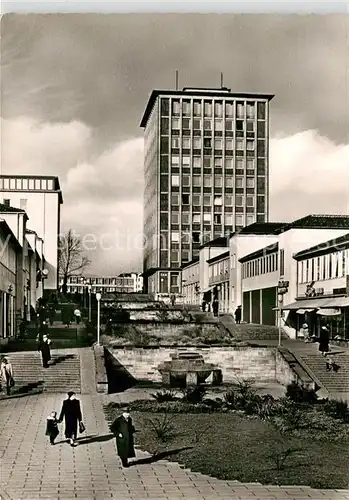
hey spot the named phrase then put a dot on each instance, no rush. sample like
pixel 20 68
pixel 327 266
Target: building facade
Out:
pixel 218 271
pixel 20 265
pixel 206 168
pixel 191 282
pixel 41 198
pixel 123 283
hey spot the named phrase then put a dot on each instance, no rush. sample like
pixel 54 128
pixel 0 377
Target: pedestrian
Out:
pixel 77 315
pixel 304 331
pixel 238 315
pixel 215 307
pixel 123 430
pixel 44 348
pixel 331 365
pixel 173 300
pixel 52 427
pixel 52 314
pixel 203 306
pixel 71 412
pixel 324 340
pixel 7 374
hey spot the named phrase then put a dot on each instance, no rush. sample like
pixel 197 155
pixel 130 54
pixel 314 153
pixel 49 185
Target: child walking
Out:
pixel 52 426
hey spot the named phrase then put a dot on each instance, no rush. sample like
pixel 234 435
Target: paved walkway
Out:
pixel 32 469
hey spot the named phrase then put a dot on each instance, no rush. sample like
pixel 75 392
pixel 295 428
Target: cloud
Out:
pixel 103 192
pixel 308 174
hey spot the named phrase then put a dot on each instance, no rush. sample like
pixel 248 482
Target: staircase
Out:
pixel 63 374
pixel 250 331
pixel 336 383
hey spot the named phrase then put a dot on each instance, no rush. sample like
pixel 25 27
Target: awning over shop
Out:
pixel 303 311
pixel 338 302
pixel 315 303
pixel 329 312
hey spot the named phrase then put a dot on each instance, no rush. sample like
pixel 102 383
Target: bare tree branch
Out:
pixel 71 257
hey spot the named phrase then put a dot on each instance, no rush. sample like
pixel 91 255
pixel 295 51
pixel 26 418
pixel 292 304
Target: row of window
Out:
pixel 219 108
pixel 208 162
pixel 195 200
pixel 217 125
pixel 21 184
pixel 262 265
pixel 334 265
pixel 207 218
pixel 116 289
pixel 216 180
pixel 216 143
pixel 219 268
pixel 103 281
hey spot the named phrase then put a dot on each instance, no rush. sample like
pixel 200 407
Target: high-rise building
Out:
pixel 206 173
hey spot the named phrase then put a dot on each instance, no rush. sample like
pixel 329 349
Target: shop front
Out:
pixel 331 311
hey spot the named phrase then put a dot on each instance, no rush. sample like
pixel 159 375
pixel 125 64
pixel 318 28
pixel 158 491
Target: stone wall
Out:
pixel 164 330
pixel 158 315
pixel 284 373
pixel 245 362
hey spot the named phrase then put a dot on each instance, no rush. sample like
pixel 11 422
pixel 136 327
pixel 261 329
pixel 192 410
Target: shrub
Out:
pixel 163 428
pixel 337 409
pixel 300 394
pixel 164 395
pixel 194 395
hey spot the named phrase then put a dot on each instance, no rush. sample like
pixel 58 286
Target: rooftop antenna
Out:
pixel 221 80
pixel 176 79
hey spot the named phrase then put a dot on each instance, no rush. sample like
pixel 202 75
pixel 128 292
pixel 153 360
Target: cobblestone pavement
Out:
pixel 32 469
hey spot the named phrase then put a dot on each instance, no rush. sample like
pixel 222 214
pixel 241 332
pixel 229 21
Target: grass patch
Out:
pixel 235 446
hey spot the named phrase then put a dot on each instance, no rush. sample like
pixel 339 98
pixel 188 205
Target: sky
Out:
pixel 74 88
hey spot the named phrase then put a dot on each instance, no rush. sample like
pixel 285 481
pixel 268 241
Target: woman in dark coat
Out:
pixel 71 411
pixel 123 430
pixel 324 340
pixel 44 347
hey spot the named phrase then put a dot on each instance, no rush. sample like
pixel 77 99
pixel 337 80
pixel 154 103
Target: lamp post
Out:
pixel 89 302
pixel 98 297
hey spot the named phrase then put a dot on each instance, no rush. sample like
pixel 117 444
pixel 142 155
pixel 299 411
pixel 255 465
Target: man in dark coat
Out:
pixel 238 315
pixel 123 430
pixel 324 340
pixel 71 411
pixel 44 347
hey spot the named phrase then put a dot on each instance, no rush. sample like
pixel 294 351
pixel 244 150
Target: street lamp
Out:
pixel 98 297
pixel 89 302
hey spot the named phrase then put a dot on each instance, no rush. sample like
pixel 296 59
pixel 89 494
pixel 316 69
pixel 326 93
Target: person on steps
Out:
pixel 71 412
pixel 324 340
pixel 44 348
pixel 123 430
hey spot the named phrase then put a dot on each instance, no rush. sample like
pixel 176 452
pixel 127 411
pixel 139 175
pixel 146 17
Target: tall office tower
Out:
pixel 206 174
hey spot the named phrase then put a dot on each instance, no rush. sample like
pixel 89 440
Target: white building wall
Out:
pixel 240 246
pixel 207 253
pixel 294 241
pixel 43 212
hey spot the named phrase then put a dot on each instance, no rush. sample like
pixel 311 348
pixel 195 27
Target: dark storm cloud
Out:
pixel 100 68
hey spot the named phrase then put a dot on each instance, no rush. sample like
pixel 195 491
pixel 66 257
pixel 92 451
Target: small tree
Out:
pixel 72 260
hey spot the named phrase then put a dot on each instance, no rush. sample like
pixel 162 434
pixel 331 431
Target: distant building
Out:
pixel 41 198
pixel 206 164
pixel 122 283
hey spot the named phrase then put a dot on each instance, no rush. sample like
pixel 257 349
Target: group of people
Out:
pixel 122 428
pixel 71 413
pixel 210 298
pixel 324 344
